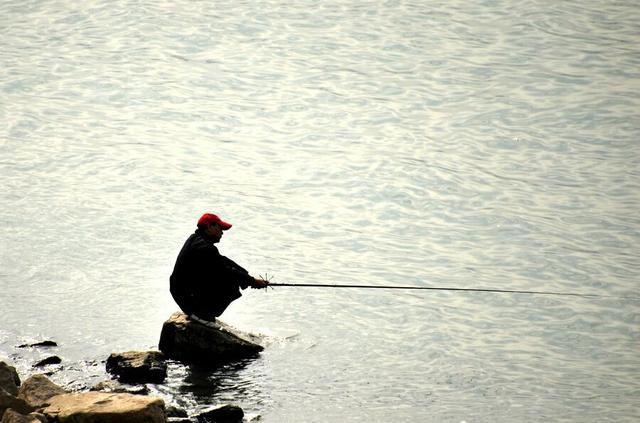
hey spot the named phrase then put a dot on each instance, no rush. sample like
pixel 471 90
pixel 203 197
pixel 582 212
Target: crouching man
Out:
pixel 204 282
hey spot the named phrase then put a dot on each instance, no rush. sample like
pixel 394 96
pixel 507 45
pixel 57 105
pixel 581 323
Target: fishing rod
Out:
pixel 438 288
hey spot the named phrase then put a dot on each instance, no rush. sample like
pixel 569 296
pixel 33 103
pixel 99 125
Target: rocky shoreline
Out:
pixel 38 399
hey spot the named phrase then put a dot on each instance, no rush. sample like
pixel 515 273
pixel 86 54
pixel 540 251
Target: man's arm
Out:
pixel 241 275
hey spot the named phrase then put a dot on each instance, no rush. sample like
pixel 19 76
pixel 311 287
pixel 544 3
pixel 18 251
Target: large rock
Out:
pixel 138 366
pixel 8 401
pixel 37 390
pixel 192 342
pixel 100 407
pixel 9 379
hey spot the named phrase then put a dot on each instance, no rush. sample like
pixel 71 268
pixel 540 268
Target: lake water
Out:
pixel 428 143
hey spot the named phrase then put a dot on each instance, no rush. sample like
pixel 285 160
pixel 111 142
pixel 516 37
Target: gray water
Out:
pixel 430 143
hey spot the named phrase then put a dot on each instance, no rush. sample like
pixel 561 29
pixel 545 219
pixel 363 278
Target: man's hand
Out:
pixel 259 283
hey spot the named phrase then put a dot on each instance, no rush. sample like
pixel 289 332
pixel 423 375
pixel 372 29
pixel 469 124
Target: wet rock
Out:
pixel 37 390
pixel 192 342
pixel 100 407
pixel 225 414
pixel 8 401
pixel 12 416
pixel 173 411
pixel 138 366
pixel 54 359
pixel 115 386
pixel 39 344
pixel 9 379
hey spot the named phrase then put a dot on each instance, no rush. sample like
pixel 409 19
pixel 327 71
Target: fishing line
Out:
pixel 438 288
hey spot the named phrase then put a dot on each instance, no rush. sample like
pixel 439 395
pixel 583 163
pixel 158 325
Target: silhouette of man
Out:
pixel 204 282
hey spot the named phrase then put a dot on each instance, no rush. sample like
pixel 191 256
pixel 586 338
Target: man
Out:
pixel 204 282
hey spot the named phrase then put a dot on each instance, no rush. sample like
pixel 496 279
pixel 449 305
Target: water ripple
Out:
pixel 435 144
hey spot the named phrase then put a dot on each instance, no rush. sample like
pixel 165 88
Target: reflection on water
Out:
pixel 491 144
pixel 227 384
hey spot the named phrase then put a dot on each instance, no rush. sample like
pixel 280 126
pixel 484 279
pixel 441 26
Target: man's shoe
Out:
pixel 208 323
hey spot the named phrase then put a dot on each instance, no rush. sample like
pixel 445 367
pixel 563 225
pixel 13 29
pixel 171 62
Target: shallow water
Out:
pixel 491 144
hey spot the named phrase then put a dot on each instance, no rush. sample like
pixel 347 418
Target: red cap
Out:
pixel 209 218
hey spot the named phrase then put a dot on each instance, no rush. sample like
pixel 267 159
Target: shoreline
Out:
pixel 128 377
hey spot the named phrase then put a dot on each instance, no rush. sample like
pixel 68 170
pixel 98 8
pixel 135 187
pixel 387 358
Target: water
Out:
pixel 484 144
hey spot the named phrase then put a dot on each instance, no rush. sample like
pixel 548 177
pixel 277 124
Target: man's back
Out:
pixel 204 282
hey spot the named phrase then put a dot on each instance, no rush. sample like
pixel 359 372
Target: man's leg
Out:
pixel 206 312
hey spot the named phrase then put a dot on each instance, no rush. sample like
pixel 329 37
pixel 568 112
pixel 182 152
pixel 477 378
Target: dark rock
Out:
pixel 54 359
pixel 117 387
pixel 179 420
pixel 101 407
pixel 37 390
pixel 225 414
pixel 9 401
pixel 173 411
pixel 9 379
pixel 39 344
pixel 138 366
pixel 192 342
pixel 12 416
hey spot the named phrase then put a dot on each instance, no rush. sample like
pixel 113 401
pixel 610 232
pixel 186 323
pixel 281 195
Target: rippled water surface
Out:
pixel 428 143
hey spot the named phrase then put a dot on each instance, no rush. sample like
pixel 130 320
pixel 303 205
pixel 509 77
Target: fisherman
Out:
pixel 204 282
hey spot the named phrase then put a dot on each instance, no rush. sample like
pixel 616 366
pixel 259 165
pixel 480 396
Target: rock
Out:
pixel 37 390
pixel 192 342
pixel 179 420
pixel 39 344
pixel 9 379
pixel 12 416
pixel 173 411
pixel 54 359
pixel 39 416
pixel 224 414
pixel 9 401
pixel 115 386
pixel 100 407
pixel 138 366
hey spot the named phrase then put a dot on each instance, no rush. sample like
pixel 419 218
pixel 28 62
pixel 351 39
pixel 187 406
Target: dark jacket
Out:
pixel 203 281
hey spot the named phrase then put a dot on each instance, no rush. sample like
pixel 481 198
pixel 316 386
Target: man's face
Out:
pixel 215 232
